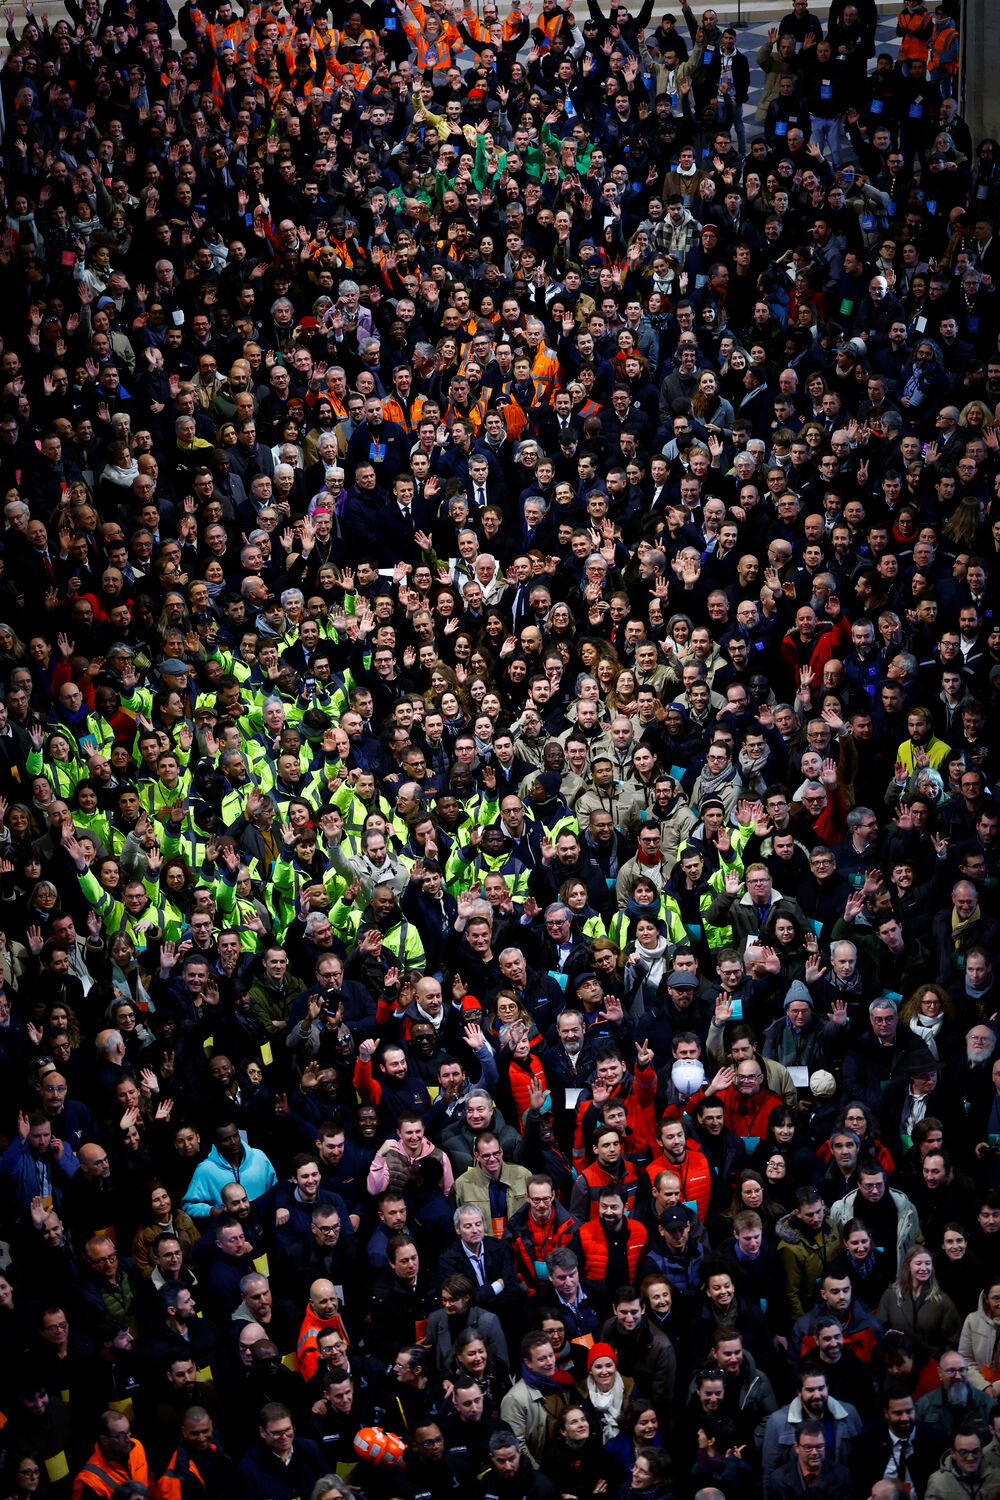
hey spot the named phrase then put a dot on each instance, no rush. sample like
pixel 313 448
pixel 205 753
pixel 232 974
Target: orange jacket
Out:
pixel 407 416
pixel 545 373
pixel 305 1348
pixel 915 28
pixel 594 1244
pixel 547 27
pixel 101 1477
pixel 596 1178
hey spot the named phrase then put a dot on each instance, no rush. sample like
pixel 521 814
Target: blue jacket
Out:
pixel 21 1168
pixel 204 1191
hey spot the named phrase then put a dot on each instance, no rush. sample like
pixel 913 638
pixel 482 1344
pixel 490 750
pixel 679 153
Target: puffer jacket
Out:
pixel 392 1168
pixel 908 1231
pixel 980 1344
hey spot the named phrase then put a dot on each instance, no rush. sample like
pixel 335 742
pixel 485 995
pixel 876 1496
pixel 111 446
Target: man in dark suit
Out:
pixel 883 1446
pixel 809 1471
pixel 398 522
pixel 485 485
pixel 550 421
pixel 486 1262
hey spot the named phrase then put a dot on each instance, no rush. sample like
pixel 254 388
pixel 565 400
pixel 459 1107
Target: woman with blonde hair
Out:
pixel 975 414
pixel 915 1304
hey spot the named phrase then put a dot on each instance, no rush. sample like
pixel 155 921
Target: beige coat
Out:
pixel 473 1187
pixel 531 1416
pixel 980 1344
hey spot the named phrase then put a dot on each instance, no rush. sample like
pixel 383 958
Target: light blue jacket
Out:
pixel 210 1176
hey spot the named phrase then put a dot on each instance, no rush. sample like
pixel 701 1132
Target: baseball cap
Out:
pixel 673 1217
pixel 680 979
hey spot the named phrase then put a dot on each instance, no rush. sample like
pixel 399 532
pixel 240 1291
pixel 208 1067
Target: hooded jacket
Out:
pixel 803 1260
pixel 979 1342
pixel 908 1231
pixel 947 1484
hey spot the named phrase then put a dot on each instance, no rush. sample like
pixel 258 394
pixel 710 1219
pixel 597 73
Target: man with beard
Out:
pixel 812 1401
pixel 938 1198
pixel 956 1403
pixel 847 1377
pixel 898 1447
pixel 969 1075
pixel 394 1091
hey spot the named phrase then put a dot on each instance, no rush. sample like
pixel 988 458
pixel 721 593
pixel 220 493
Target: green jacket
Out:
pixel 803 1260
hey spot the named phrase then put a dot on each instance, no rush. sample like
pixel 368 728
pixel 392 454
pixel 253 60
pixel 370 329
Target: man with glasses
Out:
pixel 746 1100
pixel 956 1405
pixel 280 1466
pixel 748 914
pixel 117 1459
pixel 111 1286
pixel 496 1186
pixel 809 1470
pixel 539 1226
pixel 648 863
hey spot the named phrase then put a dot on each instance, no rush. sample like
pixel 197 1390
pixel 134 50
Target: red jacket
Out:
pixel 695 1175
pixel 639 1095
pixel 829 640
pixel 521 1076
pixel 744 1116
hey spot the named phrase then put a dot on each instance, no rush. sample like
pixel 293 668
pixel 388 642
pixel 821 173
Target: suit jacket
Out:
pixel 499 1267
pixel 395 537
pixel 872 1450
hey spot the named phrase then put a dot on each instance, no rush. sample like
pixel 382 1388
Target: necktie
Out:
pixel 480 496
pixel 901 1452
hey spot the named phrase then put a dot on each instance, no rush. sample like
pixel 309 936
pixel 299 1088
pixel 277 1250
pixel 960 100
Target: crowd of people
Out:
pixel 498 839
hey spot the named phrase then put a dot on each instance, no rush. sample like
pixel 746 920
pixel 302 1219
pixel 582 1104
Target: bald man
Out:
pixel 322 1312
